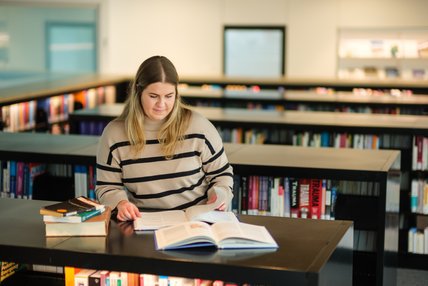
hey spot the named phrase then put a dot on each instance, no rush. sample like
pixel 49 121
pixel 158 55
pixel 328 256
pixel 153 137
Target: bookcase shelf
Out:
pixel 308 100
pixel 378 166
pixel 383 53
pixel 403 128
pixel 338 84
pixel 45 105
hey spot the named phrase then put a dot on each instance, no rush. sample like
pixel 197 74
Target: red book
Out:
pixel 304 198
pixel 315 190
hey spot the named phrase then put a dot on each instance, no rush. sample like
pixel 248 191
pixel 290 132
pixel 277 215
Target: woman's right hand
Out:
pixel 127 211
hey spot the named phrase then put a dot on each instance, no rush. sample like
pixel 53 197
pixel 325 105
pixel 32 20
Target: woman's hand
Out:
pixel 127 211
pixel 213 198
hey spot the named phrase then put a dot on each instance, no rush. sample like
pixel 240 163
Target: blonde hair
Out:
pixel 155 69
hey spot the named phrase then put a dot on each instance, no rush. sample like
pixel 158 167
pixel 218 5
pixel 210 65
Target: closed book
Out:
pixel 95 279
pixel 77 218
pixel 81 278
pixel 70 207
pixel 95 226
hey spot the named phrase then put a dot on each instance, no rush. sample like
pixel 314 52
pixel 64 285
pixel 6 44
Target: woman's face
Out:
pixel 158 100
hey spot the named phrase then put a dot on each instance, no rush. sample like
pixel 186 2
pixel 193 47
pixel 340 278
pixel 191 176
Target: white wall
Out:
pixel 189 32
pixel 26 25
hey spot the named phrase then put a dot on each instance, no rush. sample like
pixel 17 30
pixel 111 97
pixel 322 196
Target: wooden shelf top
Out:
pixel 381 161
pixel 289 117
pixel 56 86
pixel 349 97
pixel 82 149
pixel 310 118
pixel 304 81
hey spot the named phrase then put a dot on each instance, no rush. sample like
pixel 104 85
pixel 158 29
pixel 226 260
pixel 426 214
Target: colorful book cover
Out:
pixel 315 192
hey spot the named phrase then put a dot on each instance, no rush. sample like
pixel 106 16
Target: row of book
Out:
pixel 91 277
pixel 374 72
pixel 357 109
pixel 314 139
pixel 284 196
pixel 420 153
pixel 419 196
pixel 17 178
pixel 365 240
pixel 418 240
pixel 38 114
pixel 301 197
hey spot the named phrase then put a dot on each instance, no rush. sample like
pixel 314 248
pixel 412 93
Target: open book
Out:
pixel 206 213
pixel 223 235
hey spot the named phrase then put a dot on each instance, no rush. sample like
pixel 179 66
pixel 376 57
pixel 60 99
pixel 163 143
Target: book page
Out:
pixel 189 234
pixel 216 216
pixel 205 212
pixel 195 211
pixel 156 220
pixel 242 235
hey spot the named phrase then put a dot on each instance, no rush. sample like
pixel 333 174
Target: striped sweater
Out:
pixel 153 182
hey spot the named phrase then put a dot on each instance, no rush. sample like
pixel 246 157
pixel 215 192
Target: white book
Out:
pixel 81 278
pixel 426 240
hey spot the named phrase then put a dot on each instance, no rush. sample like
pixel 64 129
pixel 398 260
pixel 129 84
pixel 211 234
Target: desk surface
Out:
pixel 306 247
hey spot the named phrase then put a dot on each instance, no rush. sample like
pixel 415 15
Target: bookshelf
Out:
pixel 300 128
pixel 58 155
pixel 377 166
pixel 383 53
pixel 360 101
pixel 297 83
pixel 44 105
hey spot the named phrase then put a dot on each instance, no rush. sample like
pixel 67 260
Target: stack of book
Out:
pixel 76 217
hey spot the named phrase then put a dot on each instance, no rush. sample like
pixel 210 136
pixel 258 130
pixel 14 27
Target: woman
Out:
pixel 159 154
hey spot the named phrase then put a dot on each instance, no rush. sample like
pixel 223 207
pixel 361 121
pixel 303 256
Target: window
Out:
pixel 254 51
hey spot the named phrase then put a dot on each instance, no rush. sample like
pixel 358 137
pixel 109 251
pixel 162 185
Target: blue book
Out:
pixel 77 218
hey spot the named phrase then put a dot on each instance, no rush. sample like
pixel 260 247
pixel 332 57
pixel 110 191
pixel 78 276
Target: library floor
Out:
pixel 410 277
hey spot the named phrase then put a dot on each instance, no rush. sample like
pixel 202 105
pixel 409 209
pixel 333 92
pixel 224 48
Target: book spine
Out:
pixel 6 179
pixel 26 182
pixel 12 179
pixel 304 198
pixel 294 198
pixel 1 175
pixel 244 195
pixel 19 180
pixel 316 189
pixel 333 202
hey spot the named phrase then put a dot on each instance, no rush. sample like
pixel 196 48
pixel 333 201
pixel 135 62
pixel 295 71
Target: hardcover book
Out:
pixel 222 235
pixel 95 226
pixel 77 218
pixel 205 212
pixel 70 207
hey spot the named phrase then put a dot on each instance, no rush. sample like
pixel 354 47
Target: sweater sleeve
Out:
pixel 218 171
pixel 109 188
